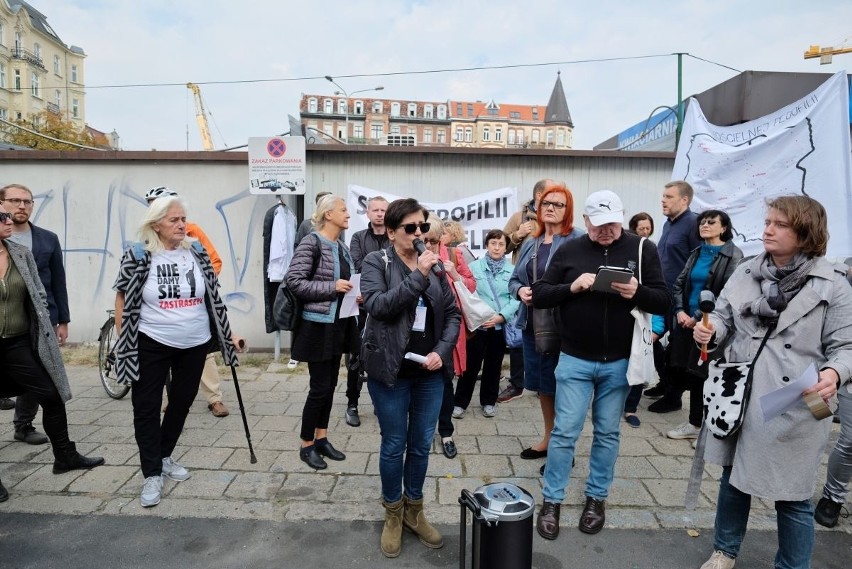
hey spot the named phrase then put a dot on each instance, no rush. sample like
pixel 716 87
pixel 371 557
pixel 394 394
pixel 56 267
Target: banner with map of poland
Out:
pixel 803 148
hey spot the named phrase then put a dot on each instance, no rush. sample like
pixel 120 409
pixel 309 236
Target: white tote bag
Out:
pixel 640 369
pixel 475 310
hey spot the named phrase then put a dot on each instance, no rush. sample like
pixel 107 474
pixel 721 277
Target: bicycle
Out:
pixel 106 359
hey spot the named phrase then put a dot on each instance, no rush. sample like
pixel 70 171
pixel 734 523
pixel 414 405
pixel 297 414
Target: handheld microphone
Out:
pixel 437 268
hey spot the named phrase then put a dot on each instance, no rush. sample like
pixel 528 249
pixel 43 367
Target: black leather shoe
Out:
pixel 547 523
pixel 665 405
pixel 827 512
pixel 310 457
pixel 28 434
pixel 76 461
pixel 4 494
pixel 593 517
pixel 450 450
pixel 531 453
pixel 6 403
pixel 329 451
pixel 352 418
pixel 655 392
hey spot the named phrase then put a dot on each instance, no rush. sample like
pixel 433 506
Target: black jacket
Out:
pixel 390 298
pixel 48 257
pixel 364 242
pixel 598 326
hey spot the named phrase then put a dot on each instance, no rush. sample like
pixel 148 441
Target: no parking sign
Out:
pixel 277 165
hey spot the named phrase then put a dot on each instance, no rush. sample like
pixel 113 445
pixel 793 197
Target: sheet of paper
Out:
pixel 349 305
pixel 777 402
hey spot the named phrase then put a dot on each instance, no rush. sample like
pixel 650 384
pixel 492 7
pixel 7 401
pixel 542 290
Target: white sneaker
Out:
pixel 695 443
pixel 684 431
pixel 175 471
pixel 458 413
pixel 489 410
pixel 151 491
pixel 719 561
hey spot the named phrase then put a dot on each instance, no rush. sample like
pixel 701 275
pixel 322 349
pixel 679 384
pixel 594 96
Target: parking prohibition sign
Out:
pixel 276 148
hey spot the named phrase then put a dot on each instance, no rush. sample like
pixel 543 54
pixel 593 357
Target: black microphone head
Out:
pixel 419 245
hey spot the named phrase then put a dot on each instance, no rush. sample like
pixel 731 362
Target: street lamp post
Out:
pixel 346 96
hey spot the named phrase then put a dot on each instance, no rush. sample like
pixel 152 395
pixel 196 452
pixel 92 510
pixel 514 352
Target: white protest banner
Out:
pixel 478 214
pixel 803 148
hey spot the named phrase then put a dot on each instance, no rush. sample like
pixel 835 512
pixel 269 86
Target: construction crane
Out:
pixel 824 54
pixel 201 117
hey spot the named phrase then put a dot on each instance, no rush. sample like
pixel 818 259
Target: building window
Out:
pixel 2 75
pixel 19 43
pixel 514 115
pixel 312 105
pixel 328 128
pixel 412 109
pixel 470 109
pixel 427 136
pixel 458 109
pixel 536 136
pixel 459 134
pixel 498 134
pixel 427 111
pixel 4 114
pixel 394 109
pixel 2 37
pixel 341 106
pixel 377 131
pixel 75 108
pixel 560 138
pixel 17 79
pixel 57 97
pixel 486 134
pixel 442 136
pixel 468 134
pixel 394 129
pixel 442 112
pixel 74 73
pixel 35 83
pixel 327 106
pixel 511 136
pixel 37 50
pixel 56 67
pixel 378 107
pixel 549 138
pixel 520 136
pixel 535 114
pixel 358 130
pixel 359 107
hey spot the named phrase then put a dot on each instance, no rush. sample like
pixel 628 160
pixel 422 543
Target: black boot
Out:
pixel 68 459
pixel 4 494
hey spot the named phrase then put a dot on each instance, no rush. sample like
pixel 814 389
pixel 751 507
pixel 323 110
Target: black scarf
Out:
pixel 778 285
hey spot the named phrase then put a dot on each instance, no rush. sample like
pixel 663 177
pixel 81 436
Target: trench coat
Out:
pixel 778 459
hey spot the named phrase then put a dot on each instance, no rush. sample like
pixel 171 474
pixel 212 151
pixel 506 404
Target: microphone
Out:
pixel 437 268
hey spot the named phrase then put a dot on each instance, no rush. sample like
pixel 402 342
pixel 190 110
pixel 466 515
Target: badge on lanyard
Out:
pixel 419 317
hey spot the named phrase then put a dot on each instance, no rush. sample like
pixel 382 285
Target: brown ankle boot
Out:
pixel 415 520
pixel 392 531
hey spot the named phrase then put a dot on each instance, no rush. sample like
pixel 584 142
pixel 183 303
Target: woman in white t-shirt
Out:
pixel 169 316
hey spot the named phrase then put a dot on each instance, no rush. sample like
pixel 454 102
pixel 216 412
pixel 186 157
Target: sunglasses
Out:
pixel 4 217
pixel 429 241
pixel 707 221
pixel 410 228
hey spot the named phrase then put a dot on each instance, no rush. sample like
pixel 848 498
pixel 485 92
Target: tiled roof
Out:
pixel 557 106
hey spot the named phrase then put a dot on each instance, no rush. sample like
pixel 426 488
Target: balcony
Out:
pixel 52 108
pixel 28 56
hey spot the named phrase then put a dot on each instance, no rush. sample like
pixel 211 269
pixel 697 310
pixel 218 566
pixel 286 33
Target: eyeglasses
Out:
pixel 18 201
pixel 707 221
pixel 555 205
pixel 410 228
pixel 4 217
pixel 429 241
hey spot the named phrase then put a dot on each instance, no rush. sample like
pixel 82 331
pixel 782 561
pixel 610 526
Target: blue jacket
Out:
pixel 48 257
pixel 679 239
pixel 519 275
pixel 507 306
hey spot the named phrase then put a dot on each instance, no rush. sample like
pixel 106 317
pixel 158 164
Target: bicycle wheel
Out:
pixel 106 361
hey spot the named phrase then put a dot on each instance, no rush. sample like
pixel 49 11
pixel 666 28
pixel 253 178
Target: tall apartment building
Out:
pixel 38 72
pixel 394 122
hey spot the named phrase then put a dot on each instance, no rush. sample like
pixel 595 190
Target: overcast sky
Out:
pixel 298 42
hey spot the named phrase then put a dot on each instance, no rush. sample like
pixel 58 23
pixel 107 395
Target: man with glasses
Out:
pixel 44 245
pixel 679 238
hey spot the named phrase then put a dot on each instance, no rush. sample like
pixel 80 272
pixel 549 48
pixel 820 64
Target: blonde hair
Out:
pixel 324 205
pixel 455 230
pixel 155 213
pixel 436 226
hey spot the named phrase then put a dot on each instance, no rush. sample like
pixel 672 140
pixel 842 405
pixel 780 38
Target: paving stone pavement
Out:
pixel 651 473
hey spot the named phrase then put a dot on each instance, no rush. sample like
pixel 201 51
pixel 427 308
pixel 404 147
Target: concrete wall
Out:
pixel 93 201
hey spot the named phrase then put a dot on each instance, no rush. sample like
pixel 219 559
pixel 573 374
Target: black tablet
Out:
pixel 608 275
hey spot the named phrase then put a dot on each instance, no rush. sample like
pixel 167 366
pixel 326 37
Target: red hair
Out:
pixel 567 221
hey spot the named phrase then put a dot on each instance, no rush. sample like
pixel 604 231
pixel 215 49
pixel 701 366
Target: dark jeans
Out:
pixel 633 398
pixel 355 377
pixel 680 381
pixel 157 441
pixel 22 373
pixel 445 415
pixel 317 407
pixel 516 367
pixel 26 408
pixel 485 351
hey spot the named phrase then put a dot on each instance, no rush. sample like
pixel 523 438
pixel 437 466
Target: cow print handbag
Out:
pixel 727 391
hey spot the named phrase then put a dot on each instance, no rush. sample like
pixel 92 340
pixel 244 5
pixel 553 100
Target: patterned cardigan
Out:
pixel 132 274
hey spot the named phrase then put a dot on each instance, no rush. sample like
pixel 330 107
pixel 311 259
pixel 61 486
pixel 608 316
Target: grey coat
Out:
pixel 42 334
pixel 779 459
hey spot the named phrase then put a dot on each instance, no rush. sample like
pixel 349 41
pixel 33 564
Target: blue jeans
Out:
pixel 407 414
pixel 580 383
pixel 795 526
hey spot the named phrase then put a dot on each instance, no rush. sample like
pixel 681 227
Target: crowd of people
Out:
pixel 412 344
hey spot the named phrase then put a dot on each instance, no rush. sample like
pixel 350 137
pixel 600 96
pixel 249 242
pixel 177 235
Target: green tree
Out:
pixel 51 125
